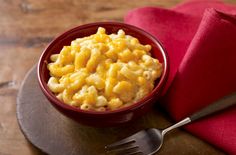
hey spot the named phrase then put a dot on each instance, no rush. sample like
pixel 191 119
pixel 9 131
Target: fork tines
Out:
pixel 124 147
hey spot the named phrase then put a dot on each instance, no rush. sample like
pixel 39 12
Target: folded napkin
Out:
pixel 200 39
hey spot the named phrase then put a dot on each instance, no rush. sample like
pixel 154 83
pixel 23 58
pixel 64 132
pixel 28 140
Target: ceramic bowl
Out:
pixel 106 118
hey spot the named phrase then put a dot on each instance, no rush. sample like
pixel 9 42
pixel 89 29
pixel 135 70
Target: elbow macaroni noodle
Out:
pixel 103 72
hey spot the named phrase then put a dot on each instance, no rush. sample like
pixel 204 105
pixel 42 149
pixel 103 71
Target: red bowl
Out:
pixel 106 118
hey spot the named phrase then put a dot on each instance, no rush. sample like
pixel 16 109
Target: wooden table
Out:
pixel 26 27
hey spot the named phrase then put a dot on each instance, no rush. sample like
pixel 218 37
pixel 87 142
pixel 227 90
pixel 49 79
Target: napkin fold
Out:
pixel 200 39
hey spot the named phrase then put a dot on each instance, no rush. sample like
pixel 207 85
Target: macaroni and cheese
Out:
pixel 103 72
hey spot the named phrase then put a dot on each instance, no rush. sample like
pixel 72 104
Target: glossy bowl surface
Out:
pixel 107 118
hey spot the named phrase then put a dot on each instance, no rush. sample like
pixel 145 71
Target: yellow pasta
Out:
pixel 94 60
pixel 67 96
pixel 101 101
pixel 125 56
pixel 54 57
pixel 81 58
pixel 113 70
pixel 128 73
pixel 110 83
pixel 103 71
pixel 115 103
pixel 57 70
pixel 96 81
pixel 55 86
pixel 65 56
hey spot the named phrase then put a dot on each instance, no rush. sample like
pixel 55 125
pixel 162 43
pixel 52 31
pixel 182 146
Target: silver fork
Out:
pixel 148 142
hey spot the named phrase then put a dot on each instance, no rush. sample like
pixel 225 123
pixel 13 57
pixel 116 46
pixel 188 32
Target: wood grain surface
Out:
pixel 26 27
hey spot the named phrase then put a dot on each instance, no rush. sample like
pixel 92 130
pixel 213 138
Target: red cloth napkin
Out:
pixel 200 39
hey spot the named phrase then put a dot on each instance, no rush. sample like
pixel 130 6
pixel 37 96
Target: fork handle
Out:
pixel 216 106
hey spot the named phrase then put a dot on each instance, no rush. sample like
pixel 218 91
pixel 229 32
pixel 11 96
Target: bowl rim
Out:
pixel 156 91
